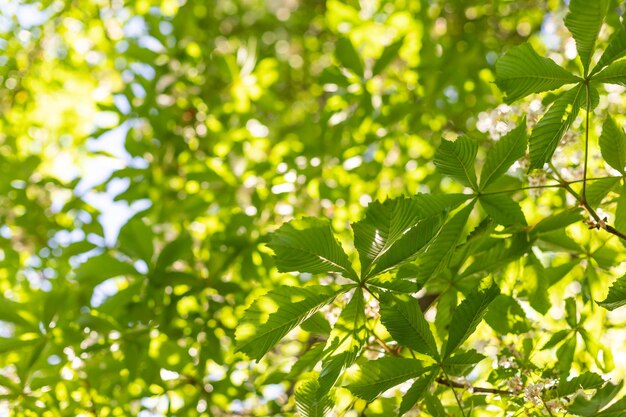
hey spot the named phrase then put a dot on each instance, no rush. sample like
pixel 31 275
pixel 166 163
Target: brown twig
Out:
pixel 475 390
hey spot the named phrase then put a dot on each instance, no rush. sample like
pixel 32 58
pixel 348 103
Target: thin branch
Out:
pixel 598 223
pixel 529 187
pixel 456 397
pixel 475 390
pixel 560 184
pixel 588 110
pixel 546 407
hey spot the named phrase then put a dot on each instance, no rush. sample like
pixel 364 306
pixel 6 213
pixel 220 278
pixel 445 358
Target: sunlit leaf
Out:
pixel 546 135
pixel 394 231
pixel 275 314
pixel 405 322
pixel 462 362
pixel 617 295
pixel 456 159
pixel 613 74
pixel 468 315
pixel 505 315
pixel 376 377
pixel 345 342
pixel 521 71
pixel 389 54
pixel 437 255
pixel 599 400
pixel 584 21
pixel 308 245
pixel 503 154
pixel 616 49
pixel 416 392
pixel 502 209
pixel 348 56
pixel 308 403
pixel 613 144
pixel 588 380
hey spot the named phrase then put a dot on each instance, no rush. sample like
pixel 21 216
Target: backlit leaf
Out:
pixel 584 21
pixel 521 71
pixel 456 159
pixel 308 245
pixel 468 315
pixel 545 137
pixel 276 313
pixel 377 376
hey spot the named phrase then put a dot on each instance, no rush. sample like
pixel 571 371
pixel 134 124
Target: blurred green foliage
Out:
pixel 198 128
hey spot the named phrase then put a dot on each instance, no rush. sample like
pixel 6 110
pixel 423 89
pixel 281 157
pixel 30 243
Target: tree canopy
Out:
pixel 303 208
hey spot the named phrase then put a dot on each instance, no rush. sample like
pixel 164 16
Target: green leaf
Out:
pixel 502 209
pixel 613 144
pixel 308 403
pixel 392 232
pixel 565 353
pixel 558 221
pixel 437 255
pixel 571 315
pixel 102 267
pixel 461 363
pixel 468 315
pixel 521 71
pixel 389 54
pixel 308 245
pixel 17 314
pixel 503 154
pixel 620 211
pixel 556 338
pixel 499 255
pixel 456 159
pixel 135 239
pixel 405 322
pixel 348 56
pixel 548 132
pixel 174 251
pixel 588 380
pixel 345 341
pixel 598 189
pixel 416 392
pixel 434 406
pixel 395 284
pixel 276 313
pixel 316 324
pixel 615 410
pixel 617 295
pixel 376 377
pixel 307 361
pixel 597 402
pixel 616 49
pixel 14 344
pixel 613 74
pixel 505 316
pixel 584 21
